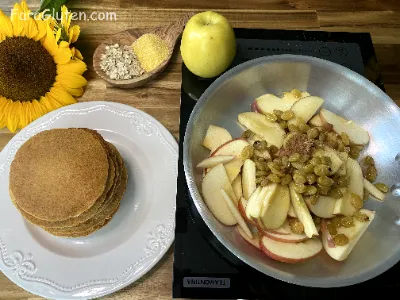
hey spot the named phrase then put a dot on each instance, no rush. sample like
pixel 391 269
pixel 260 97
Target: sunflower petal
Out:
pixel 64 44
pixel 13 115
pixel 60 95
pixel 74 33
pixel 42 29
pixel 58 34
pixel 49 103
pixel 6 28
pixel 18 18
pixel 28 23
pixel 62 56
pixel 22 115
pixel 71 80
pixel 76 53
pixel 76 92
pixel 4 103
pixel 41 108
pixel 66 17
pixel 75 66
pixel 49 41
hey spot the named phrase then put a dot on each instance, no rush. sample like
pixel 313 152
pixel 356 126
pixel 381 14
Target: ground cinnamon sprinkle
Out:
pixel 297 143
pixel 27 70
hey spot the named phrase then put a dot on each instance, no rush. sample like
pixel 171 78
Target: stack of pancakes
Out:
pixel 69 181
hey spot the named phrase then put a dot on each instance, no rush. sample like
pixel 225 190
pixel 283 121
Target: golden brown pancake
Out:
pixel 108 207
pixel 111 184
pixel 99 220
pixel 59 174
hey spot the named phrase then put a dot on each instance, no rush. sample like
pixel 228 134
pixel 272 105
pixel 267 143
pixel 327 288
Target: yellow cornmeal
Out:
pixel 150 50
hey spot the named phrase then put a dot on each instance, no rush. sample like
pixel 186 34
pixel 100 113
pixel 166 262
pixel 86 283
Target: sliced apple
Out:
pixel 254 107
pixel 291 212
pixel 210 162
pixel 354 234
pixel 255 206
pixel 356 133
pixel 268 103
pixel 255 241
pixel 327 238
pixel 233 168
pixel 235 212
pixel 215 137
pixel 316 121
pixel 211 186
pixel 302 212
pixel 343 205
pixel 232 147
pixel 305 108
pixel 294 95
pixel 237 186
pixel 337 162
pixel 287 238
pixel 290 252
pixel 253 200
pixel 283 230
pixel 259 124
pixel 242 209
pixel 342 170
pixel 323 208
pixel 248 178
pixel 266 193
pixel 275 208
pixel 377 194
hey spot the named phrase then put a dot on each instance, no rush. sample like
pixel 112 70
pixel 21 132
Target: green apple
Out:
pixel 208 44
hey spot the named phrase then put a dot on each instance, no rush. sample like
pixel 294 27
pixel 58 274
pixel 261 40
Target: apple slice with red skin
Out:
pixel 215 137
pixel 283 230
pixel 255 241
pixel 254 107
pixel 353 234
pixel 236 213
pixel 268 103
pixel 326 235
pixel 287 238
pixel 305 108
pixel 210 162
pixel 232 147
pixel 356 133
pixel 290 252
pixel 211 186
pixel 242 209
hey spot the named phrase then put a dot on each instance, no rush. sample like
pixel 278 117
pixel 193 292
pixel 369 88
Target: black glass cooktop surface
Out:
pixel 203 267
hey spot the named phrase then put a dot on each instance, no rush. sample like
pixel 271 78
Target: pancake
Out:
pixel 108 207
pixel 102 218
pixel 111 183
pixel 50 182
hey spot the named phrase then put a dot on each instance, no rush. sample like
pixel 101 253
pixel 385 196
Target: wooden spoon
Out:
pixel 169 34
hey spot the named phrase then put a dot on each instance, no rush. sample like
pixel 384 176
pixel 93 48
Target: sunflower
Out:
pixel 39 71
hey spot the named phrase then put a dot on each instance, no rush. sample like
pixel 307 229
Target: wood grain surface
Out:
pixel 161 98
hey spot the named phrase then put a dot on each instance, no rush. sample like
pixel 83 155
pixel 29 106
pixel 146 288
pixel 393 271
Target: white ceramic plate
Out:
pixel 130 245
